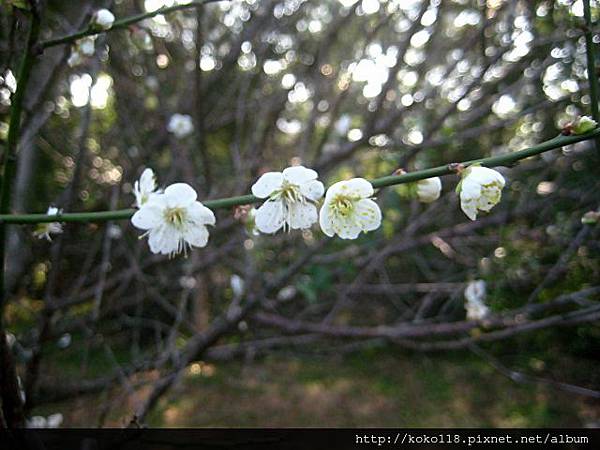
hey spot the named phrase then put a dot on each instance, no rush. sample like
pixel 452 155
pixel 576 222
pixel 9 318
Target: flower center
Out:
pixel 342 205
pixel 175 216
pixel 289 192
pixel 492 192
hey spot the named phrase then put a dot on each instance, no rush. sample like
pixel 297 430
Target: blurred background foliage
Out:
pixel 351 89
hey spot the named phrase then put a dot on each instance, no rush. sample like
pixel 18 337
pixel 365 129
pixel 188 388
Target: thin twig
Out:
pixel 123 23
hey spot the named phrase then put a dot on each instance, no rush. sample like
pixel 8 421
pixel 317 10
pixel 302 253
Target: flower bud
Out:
pixel 428 190
pixel 480 190
pixel 102 19
pixel 583 124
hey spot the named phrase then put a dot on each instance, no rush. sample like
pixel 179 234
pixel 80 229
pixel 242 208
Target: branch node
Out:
pixel 456 168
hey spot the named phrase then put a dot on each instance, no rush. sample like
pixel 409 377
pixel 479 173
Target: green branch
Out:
pixel 591 66
pixel 591 60
pixel 123 23
pixel 12 405
pixel 9 160
pixel 506 159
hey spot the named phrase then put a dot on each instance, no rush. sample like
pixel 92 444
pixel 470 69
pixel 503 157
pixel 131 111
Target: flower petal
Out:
pixel 325 220
pixel 200 214
pixel 147 181
pixel 266 184
pixel 313 190
pixel 428 190
pixel 302 215
pixel 356 187
pixel 485 175
pixel 180 194
pixel 299 175
pixel 469 207
pixel 270 217
pixel 196 236
pixel 346 227
pixel 490 196
pixel 469 189
pixel 368 214
pixel 149 216
pixel 163 240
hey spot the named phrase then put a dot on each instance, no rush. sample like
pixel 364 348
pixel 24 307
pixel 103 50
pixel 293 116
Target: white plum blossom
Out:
pixel 174 220
pixel 475 294
pixel 429 190
pixel 583 124
pixel 480 189
pixel 291 195
pixel 180 125
pixel 102 19
pixel 44 230
pixel 145 188
pixel 349 209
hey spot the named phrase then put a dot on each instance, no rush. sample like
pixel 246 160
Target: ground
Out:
pixel 386 389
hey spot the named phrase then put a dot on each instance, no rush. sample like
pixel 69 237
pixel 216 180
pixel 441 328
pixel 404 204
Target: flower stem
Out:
pixel 505 159
pixel 123 23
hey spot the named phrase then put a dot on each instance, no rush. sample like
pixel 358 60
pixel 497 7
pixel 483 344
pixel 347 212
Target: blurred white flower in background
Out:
pixel 291 195
pixel 349 210
pixel 237 285
pixel 480 189
pixel 64 341
pixel 428 190
pixel 145 188
pixel 102 19
pixel 114 231
pixel 141 38
pixel 475 294
pixel 287 293
pixel 52 421
pixel 174 220
pixel 187 282
pixel 180 125
pixel 10 339
pixel 251 222
pixel 590 218
pixel 86 46
pixel 44 230
pixel 83 48
pixel 342 125
pixel 74 59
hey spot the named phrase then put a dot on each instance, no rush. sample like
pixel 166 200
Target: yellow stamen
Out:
pixel 175 216
pixel 342 205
